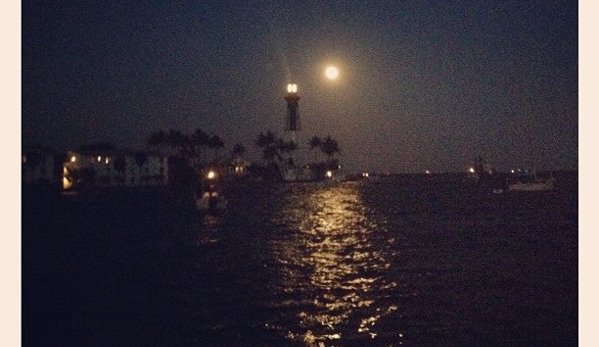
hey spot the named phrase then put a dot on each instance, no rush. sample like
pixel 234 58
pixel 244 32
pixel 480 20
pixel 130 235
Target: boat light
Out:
pixel 211 175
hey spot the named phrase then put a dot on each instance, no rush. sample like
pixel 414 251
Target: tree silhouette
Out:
pixel 238 150
pixel 157 139
pixel 216 143
pixel 285 147
pixel 198 140
pixel 275 148
pixel 330 147
pixel 187 153
pixel 191 147
pixel 177 141
pixel 267 142
pixel 315 143
pixel 172 139
pixel 97 146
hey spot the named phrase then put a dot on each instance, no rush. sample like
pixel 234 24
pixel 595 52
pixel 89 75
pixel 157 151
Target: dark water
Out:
pixel 412 261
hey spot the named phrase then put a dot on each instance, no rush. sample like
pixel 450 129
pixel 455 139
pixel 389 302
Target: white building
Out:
pixel 39 167
pixel 103 168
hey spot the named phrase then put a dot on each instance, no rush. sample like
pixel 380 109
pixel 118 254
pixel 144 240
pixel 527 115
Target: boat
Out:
pixel 211 201
pixel 548 184
pixel 529 182
pixel 209 197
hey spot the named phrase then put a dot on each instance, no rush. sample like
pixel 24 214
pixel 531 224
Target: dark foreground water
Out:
pixel 409 261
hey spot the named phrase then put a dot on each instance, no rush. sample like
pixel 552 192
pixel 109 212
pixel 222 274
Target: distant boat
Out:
pixel 211 201
pixel 531 183
pixel 209 197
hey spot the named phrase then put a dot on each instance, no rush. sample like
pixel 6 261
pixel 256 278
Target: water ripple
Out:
pixel 334 263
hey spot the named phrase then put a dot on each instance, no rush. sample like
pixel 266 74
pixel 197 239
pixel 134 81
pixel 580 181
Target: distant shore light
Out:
pixel 292 88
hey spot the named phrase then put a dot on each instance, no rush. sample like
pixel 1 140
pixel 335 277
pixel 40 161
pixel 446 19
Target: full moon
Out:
pixel 331 72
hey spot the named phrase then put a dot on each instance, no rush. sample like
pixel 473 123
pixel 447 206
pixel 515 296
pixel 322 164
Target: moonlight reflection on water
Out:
pixel 333 262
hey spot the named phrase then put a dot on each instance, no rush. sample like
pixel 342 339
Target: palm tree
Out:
pixel 238 150
pixel 177 141
pixel 198 140
pixel 97 146
pixel 172 139
pixel 216 143
pixel 157 138
pixel 267 141
pixel 315 142
pixel 285 147
pixel 330 147
pixel 273 147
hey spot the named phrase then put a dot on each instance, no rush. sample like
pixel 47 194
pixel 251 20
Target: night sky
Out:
pixel 423 84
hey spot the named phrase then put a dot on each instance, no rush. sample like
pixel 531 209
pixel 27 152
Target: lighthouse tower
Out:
pixel 292 120
pixel 292 170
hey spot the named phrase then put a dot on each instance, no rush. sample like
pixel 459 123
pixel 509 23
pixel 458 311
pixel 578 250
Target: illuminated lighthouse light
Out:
pixel 292 119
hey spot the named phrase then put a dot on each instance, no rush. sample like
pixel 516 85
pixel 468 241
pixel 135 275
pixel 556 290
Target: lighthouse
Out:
pixel 292 170
pixel 292 120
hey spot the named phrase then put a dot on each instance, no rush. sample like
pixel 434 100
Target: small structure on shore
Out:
pixel 41 167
